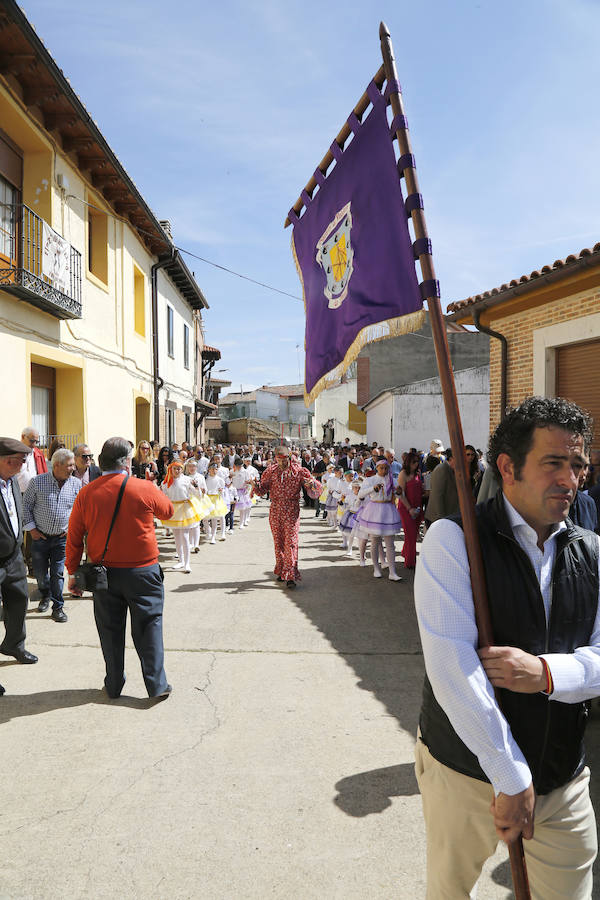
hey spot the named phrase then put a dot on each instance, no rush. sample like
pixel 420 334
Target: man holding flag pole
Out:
pixel 356 260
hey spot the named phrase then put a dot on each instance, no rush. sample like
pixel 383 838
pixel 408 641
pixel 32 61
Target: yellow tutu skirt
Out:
pixel 186 513
pixel 323 496
pixel 218 508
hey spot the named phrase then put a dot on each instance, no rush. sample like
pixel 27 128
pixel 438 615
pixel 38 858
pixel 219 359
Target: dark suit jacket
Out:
pixel 8 542
pixel 583 511
pixel 95 472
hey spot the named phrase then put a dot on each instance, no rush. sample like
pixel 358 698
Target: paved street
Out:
pixel 281 766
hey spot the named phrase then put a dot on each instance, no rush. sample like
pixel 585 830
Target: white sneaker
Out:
pixel 377 575
pixel 393 577
pixel 230 531
pixel 187 571
pixel 212 541
pixel 349 554
pixel 363 562
pixel 178 565
pixel 222 538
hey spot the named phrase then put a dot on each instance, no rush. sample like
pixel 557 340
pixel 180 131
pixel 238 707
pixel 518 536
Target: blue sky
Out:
pixel 221 111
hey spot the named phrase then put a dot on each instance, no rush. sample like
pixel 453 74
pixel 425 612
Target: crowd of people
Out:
pixel 515 768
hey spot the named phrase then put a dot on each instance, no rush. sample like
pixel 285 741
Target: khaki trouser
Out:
pixel 461 834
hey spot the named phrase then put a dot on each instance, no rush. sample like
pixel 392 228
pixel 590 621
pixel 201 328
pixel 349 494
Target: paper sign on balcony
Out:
pixel 56 256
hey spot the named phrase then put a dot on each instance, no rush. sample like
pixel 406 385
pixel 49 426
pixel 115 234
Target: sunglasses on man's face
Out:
pixel 87 455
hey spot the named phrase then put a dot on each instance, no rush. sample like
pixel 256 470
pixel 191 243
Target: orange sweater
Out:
pixel 133 541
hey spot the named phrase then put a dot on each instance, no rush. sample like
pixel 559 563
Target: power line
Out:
pixel 208 262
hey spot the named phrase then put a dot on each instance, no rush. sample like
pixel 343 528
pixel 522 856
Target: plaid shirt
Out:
pixel 47 505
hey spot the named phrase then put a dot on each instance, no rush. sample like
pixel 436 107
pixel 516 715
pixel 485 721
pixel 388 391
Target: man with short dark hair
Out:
pixel 443 493
pixel 13 574
pixel 513 765
pixel 134 576
pixel 47 505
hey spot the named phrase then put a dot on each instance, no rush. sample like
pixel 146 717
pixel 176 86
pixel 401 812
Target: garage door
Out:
pixel 578 378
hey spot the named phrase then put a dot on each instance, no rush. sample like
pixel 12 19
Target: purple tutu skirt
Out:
pixel 348 521
pixel 331 502
pixel 243 500
pixel 378 519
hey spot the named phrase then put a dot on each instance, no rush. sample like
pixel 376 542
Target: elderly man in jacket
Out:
pixel 13 574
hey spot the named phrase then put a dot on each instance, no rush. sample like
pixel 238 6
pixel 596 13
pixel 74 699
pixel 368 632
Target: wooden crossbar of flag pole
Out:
pixel 463 483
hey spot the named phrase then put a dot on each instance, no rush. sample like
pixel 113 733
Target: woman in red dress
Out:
pixel 410 507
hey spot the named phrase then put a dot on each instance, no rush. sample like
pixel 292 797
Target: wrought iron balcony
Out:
pixel 59 295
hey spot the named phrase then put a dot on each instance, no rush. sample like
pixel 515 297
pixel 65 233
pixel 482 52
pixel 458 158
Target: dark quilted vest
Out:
pixel 549 733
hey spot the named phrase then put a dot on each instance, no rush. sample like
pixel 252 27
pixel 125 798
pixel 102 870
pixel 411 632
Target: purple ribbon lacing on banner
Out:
pixel 407 161
pixel 336 151
pixel 430 288
pixel 373 93
pixel 319 177
pixel 353 122
pixel 421 245
pixel 398 123
pixel 392 87
pixel 413 201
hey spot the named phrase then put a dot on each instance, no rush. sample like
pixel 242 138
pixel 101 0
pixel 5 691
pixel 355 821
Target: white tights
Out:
pixel 244 517
pixel 376 553
pixel 182 545
pixel 213 525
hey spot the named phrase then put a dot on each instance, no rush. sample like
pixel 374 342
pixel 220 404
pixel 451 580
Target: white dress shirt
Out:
pixel 444 604
pixel 27 473
pixel 6 489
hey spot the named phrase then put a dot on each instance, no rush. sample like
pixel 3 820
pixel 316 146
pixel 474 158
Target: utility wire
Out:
pixel 208 262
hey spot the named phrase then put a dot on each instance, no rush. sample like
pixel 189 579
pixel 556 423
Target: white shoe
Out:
pixel 349 554
pixel 363 562
pixel 230 531
pixel 222 538
pixel 178 565
pixel 377 575
pixel 393 577
pixel 187 571
pixel 212 541
pixel 384 565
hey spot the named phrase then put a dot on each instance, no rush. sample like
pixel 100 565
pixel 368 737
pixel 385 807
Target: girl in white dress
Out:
pixel 242 481
pixel 350 504
pixel 215 488
pixel 333 495
pixel 379 519
pixel 188 511
pixel 191 469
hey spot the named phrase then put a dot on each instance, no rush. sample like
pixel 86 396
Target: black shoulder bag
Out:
pixel 93 576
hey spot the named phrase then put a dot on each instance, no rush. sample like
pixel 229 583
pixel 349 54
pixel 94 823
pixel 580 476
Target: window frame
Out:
pixel 170 332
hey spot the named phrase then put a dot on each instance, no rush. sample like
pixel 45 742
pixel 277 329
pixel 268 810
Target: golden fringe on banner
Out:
pixel 379 331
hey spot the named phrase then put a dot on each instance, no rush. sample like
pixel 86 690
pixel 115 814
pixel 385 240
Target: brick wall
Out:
pixel 518 330
pixel 363 395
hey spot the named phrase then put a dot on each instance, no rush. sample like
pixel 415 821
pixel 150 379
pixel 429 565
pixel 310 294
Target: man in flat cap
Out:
pixel 13 574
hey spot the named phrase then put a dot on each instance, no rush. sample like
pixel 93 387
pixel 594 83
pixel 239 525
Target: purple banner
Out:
pixel 353 251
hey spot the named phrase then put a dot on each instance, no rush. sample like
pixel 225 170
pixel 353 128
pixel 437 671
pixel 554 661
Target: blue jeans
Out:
pixel 48 557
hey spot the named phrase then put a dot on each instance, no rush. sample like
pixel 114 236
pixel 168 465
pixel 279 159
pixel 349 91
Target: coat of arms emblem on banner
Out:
pixel 336 257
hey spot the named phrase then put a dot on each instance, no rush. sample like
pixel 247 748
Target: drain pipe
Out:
pixel 157 380
pixel 503 363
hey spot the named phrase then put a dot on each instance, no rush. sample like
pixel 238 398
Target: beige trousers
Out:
pixel 461 834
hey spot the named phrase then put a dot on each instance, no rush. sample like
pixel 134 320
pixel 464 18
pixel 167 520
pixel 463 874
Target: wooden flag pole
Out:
pixel 444 362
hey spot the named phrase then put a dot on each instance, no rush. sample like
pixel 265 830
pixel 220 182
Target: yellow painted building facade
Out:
pixel 84 351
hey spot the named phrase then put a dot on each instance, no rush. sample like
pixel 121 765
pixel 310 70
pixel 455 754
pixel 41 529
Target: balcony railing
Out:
pixel 58 294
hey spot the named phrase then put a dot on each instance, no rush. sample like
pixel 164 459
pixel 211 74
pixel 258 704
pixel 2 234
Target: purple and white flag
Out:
pixel 354 253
